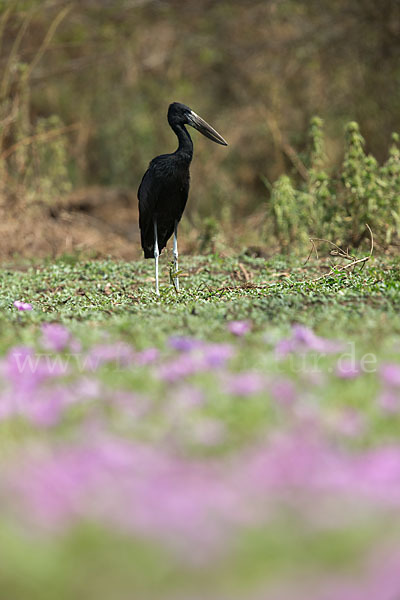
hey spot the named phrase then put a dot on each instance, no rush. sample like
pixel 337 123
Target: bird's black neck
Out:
pixel 185 148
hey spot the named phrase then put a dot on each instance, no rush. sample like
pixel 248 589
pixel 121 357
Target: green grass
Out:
pixel 119 296
pixel 108 300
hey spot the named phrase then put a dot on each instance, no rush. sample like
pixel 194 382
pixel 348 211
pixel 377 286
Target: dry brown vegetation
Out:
pixel 84 89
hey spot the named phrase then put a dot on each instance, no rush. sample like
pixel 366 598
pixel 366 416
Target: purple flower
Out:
pixel 44 408
pixel 285 346
pixel 181 367
pixel 184 343
pixel 26 370
pixel 55 336
pixel 184 503
pixel 216 355
pixel 389 401
pixel 350 423
pixel 390 374
pixel 304 339
pixel 239 328
pixel 22 305
pixel 347 369
pixel 283 391
pixel 119 353
pixel 244 384
pixel 147 356
pixel 209 356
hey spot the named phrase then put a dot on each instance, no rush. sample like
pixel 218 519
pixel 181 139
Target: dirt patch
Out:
pixel 101 222
pixel 94 221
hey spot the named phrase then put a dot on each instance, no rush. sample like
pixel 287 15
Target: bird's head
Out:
pixel 180 114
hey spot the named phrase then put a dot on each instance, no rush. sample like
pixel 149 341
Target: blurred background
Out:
pixel 84 92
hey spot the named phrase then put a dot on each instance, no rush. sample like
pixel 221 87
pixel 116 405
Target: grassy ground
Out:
pixel 269 406
pixel 119 295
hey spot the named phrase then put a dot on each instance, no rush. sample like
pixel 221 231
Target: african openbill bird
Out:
pixel 164 189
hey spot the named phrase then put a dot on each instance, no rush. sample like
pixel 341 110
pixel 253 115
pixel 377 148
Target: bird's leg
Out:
pixel 156 255
pixel 175 252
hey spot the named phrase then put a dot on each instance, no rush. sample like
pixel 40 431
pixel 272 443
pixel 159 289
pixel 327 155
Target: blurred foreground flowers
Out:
pixel 270 465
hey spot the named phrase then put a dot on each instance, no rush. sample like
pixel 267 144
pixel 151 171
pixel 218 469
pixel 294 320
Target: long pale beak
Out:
pixel 206 129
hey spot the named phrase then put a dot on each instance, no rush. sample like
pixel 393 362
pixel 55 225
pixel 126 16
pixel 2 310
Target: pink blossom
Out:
pixel 283 391
pixel 217 355
pixel 390 374
pixel 22 305
pixel 55 336
pixel 119 352
pixel 244 384
pixel 147 356
pixel 239 328
pixel 389 401
pixel 45 409
pixel 208 356
pixel 41 405
pixel 348 369
pixel 350 423
pixel 180 367
pixel 286 346
pixel 26 369
pixel 186 504
pixel 184 343
pixel 304 339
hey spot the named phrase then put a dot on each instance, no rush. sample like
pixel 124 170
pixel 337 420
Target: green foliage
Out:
pixel 390 175
pixel 339 205
pixel 285 210
pixel 361 185
pixel 319 188
pixel 317 150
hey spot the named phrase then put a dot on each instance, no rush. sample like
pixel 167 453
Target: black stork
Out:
pixel 164 189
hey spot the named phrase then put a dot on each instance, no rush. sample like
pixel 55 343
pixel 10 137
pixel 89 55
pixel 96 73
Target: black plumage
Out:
pixel 164 189
pixel 163 193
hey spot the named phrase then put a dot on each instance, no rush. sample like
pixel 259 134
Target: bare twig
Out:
pixel 371 237
pixel 245 272
pixel 372 242
pixel 342 268
pixel 337 251
pixel 313 247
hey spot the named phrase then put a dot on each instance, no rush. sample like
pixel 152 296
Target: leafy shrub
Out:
pixel 286 213
pixel 339 205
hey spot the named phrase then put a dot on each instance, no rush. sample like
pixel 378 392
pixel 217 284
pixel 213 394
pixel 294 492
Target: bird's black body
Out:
pixel 164 189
